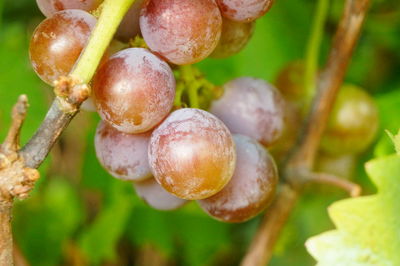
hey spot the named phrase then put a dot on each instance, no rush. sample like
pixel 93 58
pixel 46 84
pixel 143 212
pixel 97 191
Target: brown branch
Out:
pixel 261 248
pixel 6 242
pixel 64 107
pixel 18 172
pixel 302 160
pixel 353 189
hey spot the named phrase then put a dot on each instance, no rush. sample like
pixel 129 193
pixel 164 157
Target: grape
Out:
pixel 234 38
pixel 290 82
pixel 182 31
pixel 124 156
pixel 134 90
pixel 129 26
pixel 251 188
pixel 353 123
pixel 49 7
pixel 244 10
pixel 251 107
pixel 192 154
pixel 156 196
pixel 57 43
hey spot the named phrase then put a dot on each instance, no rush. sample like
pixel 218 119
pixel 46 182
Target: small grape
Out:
pixel 124 156
pixel 49 7
pixel 134 90
pixel 58 41
pixel 182 31
pixel 129 26
pixel 251 188
pixel 156 196
pixel 253 108
pixel 192 154
pixel 234 37
pixel 290 82
pixel 244 10
pixel 353 123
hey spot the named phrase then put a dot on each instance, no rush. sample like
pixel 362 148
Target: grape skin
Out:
pixel 58 42
pixel 182 31
pixel 251 188
pixel 124 156
pixel 49 7
pixel 234 37
pixel 244 10
pixel 156 196
pixel 129 26
pixel 192 154
pixel 253 108
pixel 134 90
pixel 353 122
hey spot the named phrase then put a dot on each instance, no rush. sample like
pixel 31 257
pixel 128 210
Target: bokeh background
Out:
pixel 79 215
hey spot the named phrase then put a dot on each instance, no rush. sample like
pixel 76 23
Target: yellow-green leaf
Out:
pixel 368 228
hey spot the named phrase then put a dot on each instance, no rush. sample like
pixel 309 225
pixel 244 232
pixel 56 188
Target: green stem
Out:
pixel 193 94
pixel 111 15
pixel 180 87
pixel 313 48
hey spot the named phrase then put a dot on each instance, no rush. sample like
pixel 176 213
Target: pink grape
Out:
pixel 234 37
pixel 134 90
pixel 251 188
pixel 58 42
pixel 192 154
pixel 49 7
pixel 156 196
pixel 253 108
pixel 129 26
pixel 244 10
pixel 182 31
pixel 124 156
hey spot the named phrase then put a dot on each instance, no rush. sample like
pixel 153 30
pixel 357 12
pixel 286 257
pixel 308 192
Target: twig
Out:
pixel 302 160
pixel 353 189
pixel 18 168
pixel 261 248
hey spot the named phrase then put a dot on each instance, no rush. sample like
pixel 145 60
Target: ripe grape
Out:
pixel 192 154
pixel 124 156
pixel 134 90
pixel 244 10
pixel 129 26
pixel 234 38
pixel 156 196
pixel 182 31
pixel 49 7
pixel 253 108
pixel 58 41
pixel 353 123
pixel 251 188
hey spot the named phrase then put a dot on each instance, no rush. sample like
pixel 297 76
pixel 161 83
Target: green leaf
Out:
pixel 396 140
pixel 368 228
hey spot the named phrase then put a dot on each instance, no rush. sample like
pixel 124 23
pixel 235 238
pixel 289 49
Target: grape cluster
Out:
pixel 173 154
pixel 351 129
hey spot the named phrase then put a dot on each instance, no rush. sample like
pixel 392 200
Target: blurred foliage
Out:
pixel 83 216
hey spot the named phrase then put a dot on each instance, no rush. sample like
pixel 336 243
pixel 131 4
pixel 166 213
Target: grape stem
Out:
pixel 18 166
pixel 296 171
pixel 313 49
